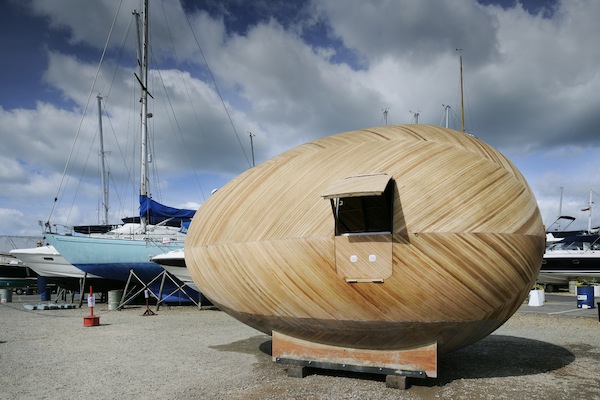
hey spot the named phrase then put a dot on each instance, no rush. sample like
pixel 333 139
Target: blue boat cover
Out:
pixel 185 226
pixel 155 211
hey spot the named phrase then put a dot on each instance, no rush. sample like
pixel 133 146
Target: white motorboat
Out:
pixel 573 258
pixel 47 261
pixel 174 263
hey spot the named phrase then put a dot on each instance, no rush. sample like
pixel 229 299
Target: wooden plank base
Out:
pixel 418 362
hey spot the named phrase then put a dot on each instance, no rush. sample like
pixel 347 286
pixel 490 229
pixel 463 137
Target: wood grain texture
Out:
pixel 424 359
pixel 467 242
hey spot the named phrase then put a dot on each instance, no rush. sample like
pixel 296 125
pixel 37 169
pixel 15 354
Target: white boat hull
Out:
pixel 174 263
pixel 46 261
pixel 577 258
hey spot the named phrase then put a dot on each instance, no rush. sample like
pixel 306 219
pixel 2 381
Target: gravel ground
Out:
pixel 187 353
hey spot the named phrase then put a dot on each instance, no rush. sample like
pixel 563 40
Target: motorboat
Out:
pixel 174 263
pixel 573 258
pixel 48 262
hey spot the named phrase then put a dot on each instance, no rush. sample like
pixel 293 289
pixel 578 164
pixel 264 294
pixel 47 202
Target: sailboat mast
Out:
pixel 143 65
pixel 103 166
pixel 590 214
pixel 462 101
pixel 560 202
pixel 252 147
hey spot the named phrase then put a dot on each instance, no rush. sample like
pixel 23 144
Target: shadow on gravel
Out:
pixel 499 356
pixel 496 356
pixel 251 345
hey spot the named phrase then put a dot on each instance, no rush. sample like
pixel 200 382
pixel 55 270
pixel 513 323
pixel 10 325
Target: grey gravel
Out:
pixel 188 353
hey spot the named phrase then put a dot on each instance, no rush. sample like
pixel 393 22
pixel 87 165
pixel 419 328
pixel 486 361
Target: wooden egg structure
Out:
pixel 386 238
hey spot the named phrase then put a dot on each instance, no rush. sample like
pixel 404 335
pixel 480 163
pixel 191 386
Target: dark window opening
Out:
pixel 364 214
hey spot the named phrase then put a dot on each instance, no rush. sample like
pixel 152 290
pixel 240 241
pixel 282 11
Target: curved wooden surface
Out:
pixel 467 242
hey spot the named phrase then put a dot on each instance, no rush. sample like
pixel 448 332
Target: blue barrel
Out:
pixel 42 289
pixel 585 297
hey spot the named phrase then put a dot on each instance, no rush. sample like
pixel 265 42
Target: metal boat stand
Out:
pixel 61 292
pixel 180 288
pixel 81 291
pixel 148 310
pixel 129 293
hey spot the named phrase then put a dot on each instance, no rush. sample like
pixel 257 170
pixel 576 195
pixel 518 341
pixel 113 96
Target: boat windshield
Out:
pixel 575 246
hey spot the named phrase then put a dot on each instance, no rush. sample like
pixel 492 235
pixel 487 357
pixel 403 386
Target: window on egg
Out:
pixel 362 205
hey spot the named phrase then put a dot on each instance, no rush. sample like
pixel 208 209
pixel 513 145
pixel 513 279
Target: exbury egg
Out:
pixel 381 239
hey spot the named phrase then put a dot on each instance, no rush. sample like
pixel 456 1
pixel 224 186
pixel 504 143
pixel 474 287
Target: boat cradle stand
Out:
pixel 397 365
pixel 61 293
pixel 129 292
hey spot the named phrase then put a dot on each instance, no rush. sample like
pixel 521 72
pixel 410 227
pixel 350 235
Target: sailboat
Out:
pixel 47 262
pixel 130 247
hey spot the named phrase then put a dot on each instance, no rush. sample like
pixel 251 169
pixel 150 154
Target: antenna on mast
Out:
pixel 415 116
pixel 385 114
pixel 446 108
pixel 589 208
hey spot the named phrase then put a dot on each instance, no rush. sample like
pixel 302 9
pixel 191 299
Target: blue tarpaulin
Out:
pixel 156 212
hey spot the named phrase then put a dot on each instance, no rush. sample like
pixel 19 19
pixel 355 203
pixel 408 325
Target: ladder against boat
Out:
pixel 397 365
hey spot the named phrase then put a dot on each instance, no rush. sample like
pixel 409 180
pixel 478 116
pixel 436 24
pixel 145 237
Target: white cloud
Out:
pixel 417 32
pixel 531 83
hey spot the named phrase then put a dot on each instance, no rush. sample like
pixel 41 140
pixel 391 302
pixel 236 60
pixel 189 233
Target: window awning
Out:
pixel 356 186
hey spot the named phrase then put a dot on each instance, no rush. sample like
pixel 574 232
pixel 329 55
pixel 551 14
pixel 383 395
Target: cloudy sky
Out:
pixel 286 72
